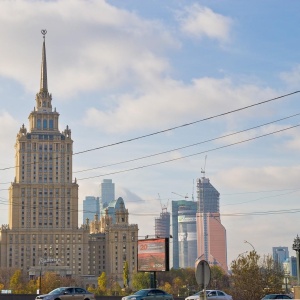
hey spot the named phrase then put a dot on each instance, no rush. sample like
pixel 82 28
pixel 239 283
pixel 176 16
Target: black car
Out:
pixel 276 296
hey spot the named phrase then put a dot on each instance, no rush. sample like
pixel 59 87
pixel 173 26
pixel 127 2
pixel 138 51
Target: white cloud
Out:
pixel 260 177
pixel 292 77
pixel 201 22
pixel 7 136
pixel 170 102
pixel 99 47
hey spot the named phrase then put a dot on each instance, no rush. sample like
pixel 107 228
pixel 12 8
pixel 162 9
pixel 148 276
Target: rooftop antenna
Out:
pixel 203 170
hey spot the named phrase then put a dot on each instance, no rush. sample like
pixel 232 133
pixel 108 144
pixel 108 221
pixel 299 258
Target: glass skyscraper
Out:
pixel 107 193
pixel 211 234
pixel 184 233
pixel 91 207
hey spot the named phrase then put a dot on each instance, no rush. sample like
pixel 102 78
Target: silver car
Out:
pixel 70 293
pixel 149 294
pixel 211 295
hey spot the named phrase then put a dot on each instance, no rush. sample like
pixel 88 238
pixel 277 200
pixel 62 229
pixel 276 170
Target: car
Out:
pixel 149 294
pixel 70 293
pixel 276 296
pixel 211 295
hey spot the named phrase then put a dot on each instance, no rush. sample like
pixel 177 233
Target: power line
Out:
pixel 187 124
pixel 190 155
pixel 266 197
pixel 192 145
pixel 169 129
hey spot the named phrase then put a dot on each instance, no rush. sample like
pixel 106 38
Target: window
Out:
pixel 39 124
pixel 45 124
pixel 50 124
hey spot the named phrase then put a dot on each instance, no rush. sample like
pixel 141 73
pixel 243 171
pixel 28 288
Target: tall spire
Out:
pixel 44 83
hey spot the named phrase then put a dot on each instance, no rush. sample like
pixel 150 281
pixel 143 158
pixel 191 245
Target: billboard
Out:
pixel 153 255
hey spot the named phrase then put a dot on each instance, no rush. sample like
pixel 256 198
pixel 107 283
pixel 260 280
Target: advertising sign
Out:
pixel 153 255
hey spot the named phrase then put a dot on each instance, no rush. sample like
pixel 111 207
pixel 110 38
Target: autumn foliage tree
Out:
pixel 17 283
pixel 140 280
pixel 102 284
pixel 252 277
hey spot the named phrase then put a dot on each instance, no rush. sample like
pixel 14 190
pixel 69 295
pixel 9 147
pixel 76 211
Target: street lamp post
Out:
pixel 296 247
pixel 250 245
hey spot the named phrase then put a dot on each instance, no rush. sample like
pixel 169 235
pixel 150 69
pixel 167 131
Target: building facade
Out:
pixel 107 192
pixel 91 207
pixel 43 198
pixel 112 243
pixel 211 234
pixel 162 224
pixel 280 254
pixel 184 233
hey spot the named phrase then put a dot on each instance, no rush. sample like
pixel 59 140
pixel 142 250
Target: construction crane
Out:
pixel 203 170
pixel 185 197
pixel 163 207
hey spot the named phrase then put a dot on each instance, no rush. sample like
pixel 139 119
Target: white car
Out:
pixel 211 295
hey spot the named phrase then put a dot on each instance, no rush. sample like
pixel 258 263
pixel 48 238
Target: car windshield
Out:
pixel 270 297
pixel 141 292
pixel 56 291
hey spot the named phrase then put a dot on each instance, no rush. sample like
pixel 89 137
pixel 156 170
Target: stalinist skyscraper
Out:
pixel 43 199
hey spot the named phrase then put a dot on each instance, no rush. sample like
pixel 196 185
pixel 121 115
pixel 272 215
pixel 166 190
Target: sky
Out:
pixel 122 70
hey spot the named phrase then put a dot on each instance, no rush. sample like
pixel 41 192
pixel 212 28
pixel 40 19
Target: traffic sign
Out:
pixel 202 273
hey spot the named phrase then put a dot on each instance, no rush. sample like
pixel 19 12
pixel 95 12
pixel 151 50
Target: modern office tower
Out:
pixel 187 237
pixel 211 234
pixel 289 266
pixel 107 193
pixel 112 244
pixel 184 233
pixel 91 207
pixel 280 254
pixel 43 233
pixel 293 266
pixel 162 224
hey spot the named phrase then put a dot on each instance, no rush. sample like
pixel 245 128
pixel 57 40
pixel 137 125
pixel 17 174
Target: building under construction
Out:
pixel 162 224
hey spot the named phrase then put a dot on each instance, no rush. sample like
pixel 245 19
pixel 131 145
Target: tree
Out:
pixel 272 275
pixel 140 280
pixel 177 285
pixel 246 277
pixel 102 283
pixel 5 275
pixel 218 278
pixel 16 283
pixel 167 287
pixel 32 286
pixel 50 281
pixel 125 274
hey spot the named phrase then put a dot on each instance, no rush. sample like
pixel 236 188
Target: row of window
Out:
pixel 46 124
